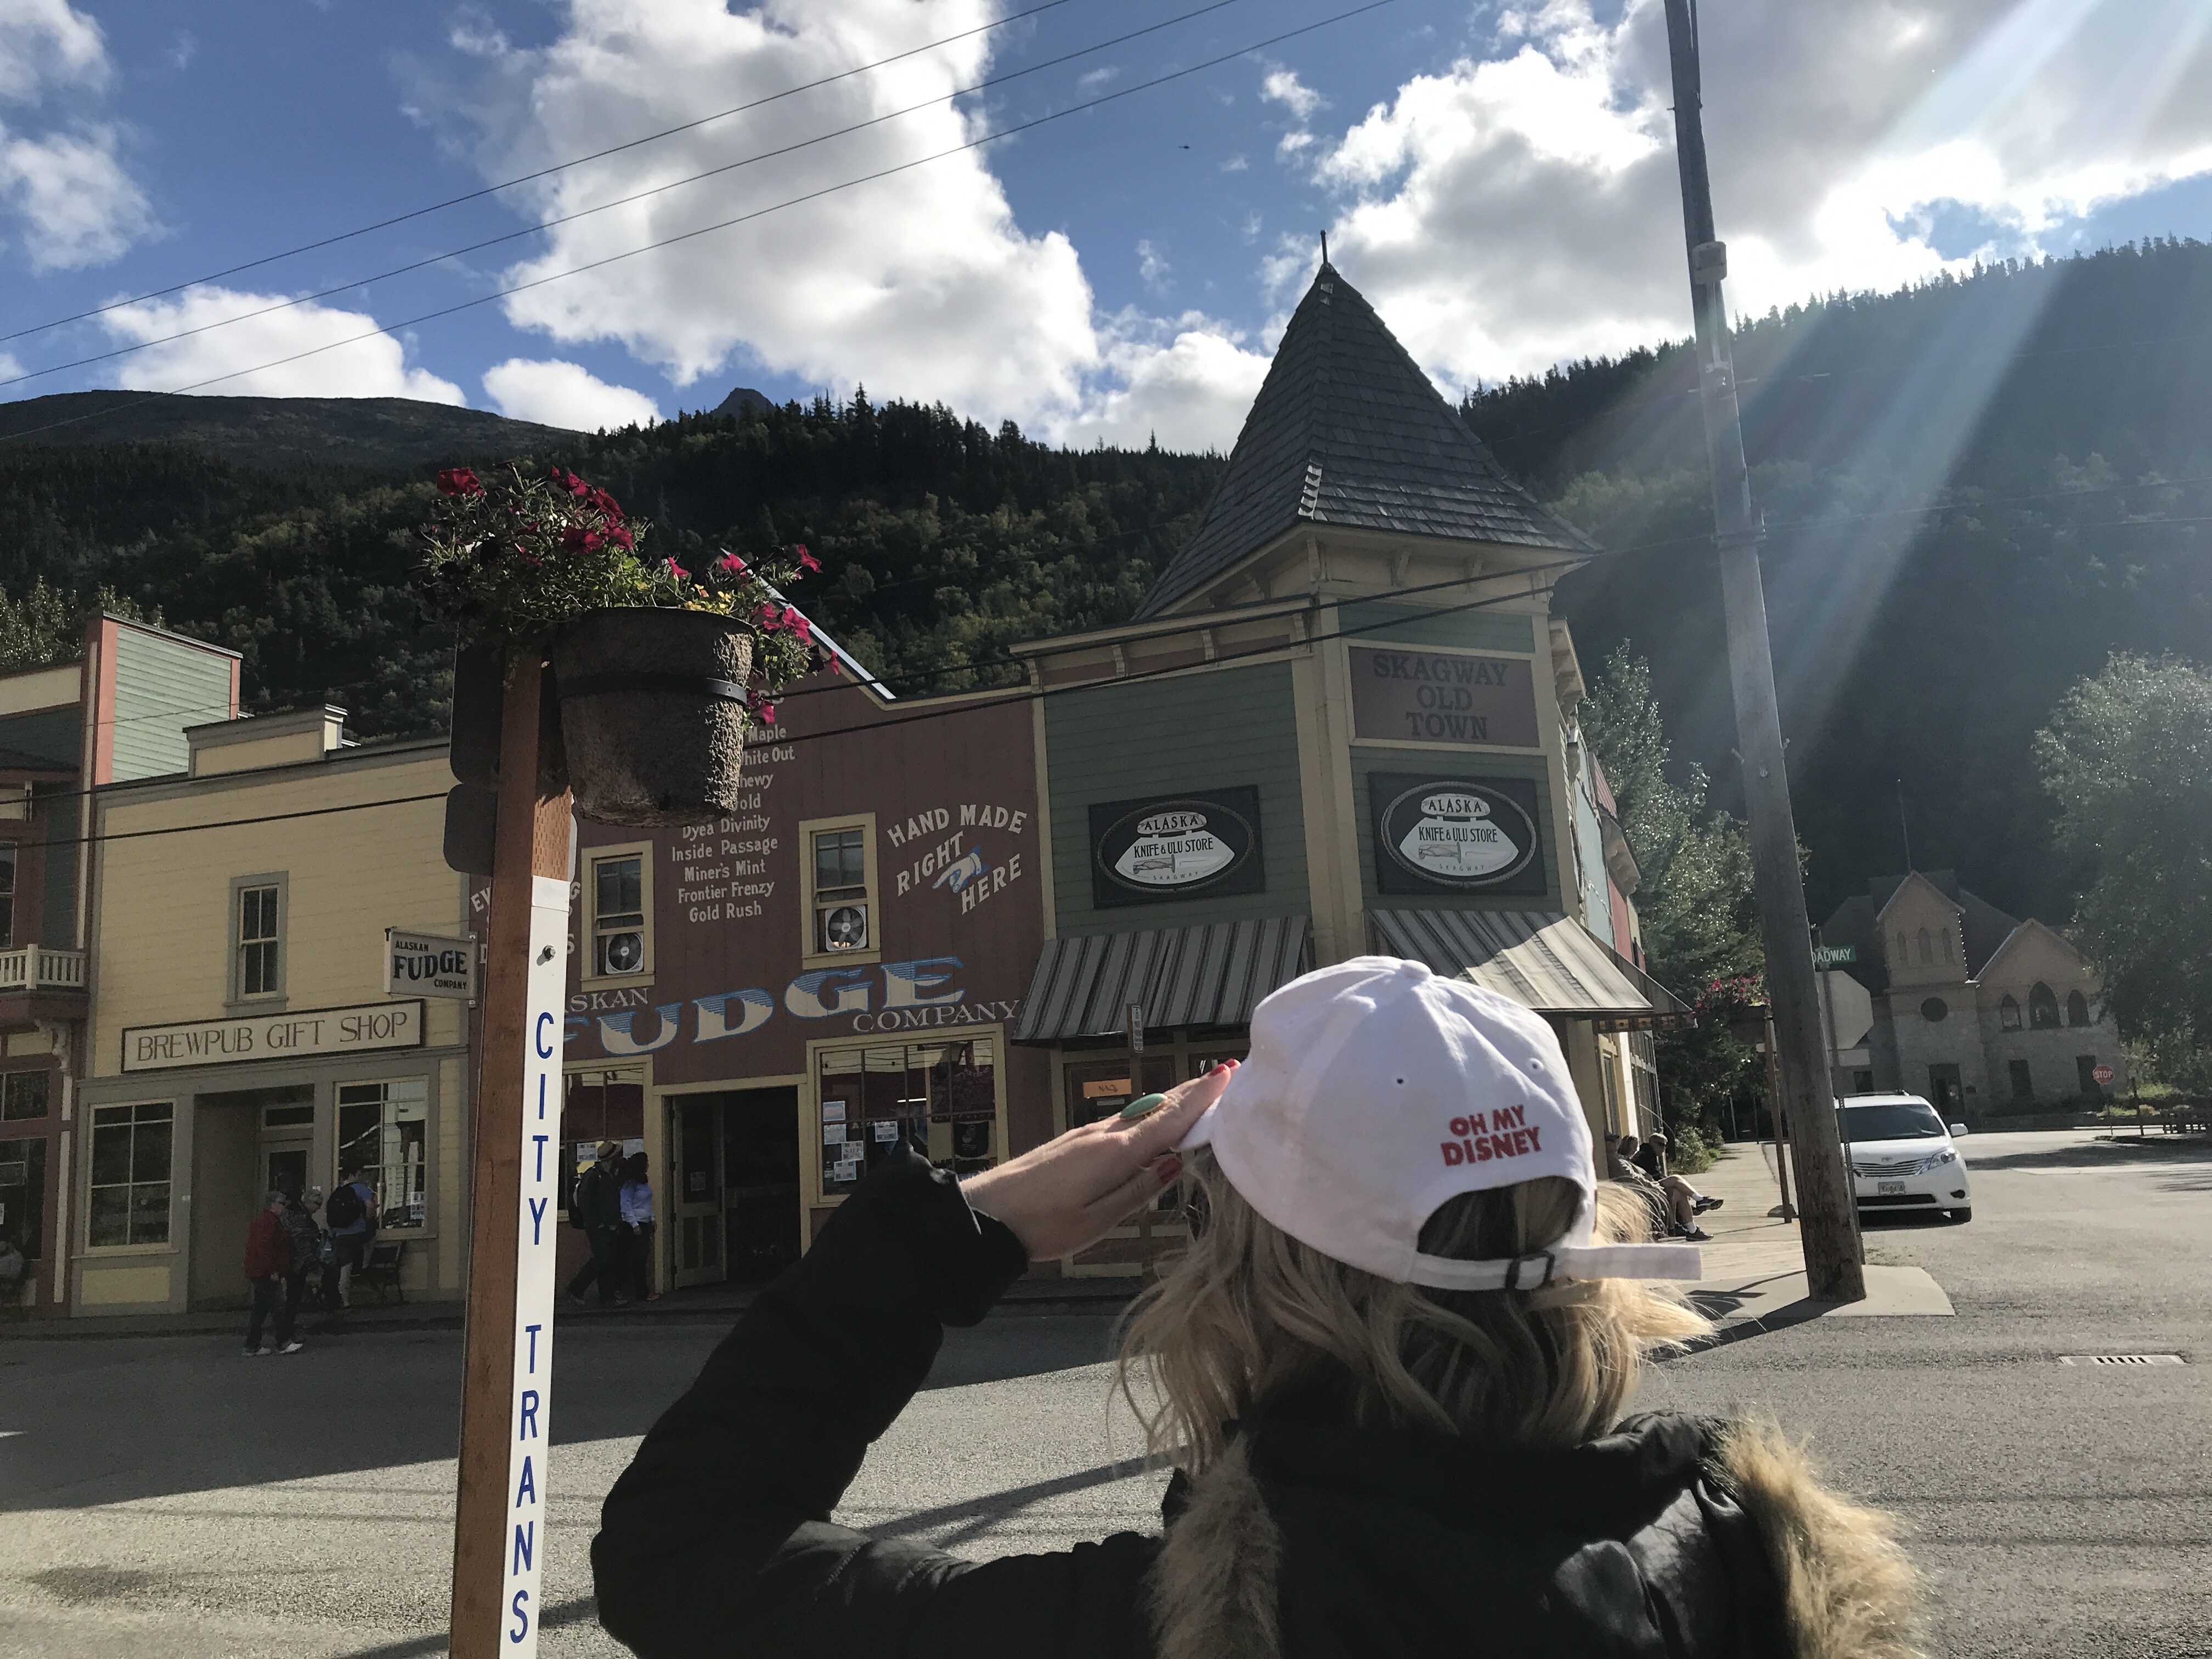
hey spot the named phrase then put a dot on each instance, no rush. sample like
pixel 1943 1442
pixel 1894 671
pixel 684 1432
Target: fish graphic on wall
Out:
pixel 961 871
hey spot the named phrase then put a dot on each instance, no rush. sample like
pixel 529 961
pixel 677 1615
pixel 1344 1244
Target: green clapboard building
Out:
pixel 1343 723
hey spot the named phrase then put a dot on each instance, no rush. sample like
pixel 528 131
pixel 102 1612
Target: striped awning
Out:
pixel 1542 959
pixel 1185 977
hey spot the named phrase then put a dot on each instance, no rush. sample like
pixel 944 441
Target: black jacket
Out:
pixel 717 1539
pixel 598 1199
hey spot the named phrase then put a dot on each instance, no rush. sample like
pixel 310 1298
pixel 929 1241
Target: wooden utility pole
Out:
pixel 1826 1202
pixel 499 1519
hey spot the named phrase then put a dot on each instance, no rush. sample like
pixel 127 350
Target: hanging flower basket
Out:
pixel 658 670
pixel 654 706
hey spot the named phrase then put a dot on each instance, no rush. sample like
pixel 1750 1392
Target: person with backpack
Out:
pixel 1391 1370
pixel 598 1211
pixel 350 1210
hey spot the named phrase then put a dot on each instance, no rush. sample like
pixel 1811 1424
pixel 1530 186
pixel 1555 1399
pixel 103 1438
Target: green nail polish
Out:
pixel 1141 1104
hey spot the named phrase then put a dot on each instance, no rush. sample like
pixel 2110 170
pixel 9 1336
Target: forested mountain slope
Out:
pixel 2059 416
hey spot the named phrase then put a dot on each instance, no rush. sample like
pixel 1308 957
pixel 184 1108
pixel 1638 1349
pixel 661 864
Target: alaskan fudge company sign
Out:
pixel 1440 697
pixel 1172 847
pixel 274 1036
pixel 1454 835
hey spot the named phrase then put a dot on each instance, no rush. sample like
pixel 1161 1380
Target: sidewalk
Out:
pixel 704 1305
pixel 1754 1268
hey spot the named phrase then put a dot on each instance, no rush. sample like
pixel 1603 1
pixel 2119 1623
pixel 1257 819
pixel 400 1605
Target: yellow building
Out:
pixel 241 1035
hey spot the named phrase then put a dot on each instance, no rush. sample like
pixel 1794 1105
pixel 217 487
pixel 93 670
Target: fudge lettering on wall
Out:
pixel 1176 847
pixel 1437 834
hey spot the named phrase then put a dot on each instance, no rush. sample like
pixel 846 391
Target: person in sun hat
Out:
pixel 1390 1371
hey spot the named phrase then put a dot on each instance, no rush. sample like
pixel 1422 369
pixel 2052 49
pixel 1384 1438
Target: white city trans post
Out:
pixel 537 1232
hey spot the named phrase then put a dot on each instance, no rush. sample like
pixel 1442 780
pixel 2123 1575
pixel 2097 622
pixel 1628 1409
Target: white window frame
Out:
pixel 235 927
pixel 92 1129
pixel 384 1192
pixel 588 908
pixel 810 953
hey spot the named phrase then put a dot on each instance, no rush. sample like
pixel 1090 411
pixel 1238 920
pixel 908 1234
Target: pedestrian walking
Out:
pixel 351 1214
pixel 306 1240
pixel 637 1216
pixel 597 1210
pixel 1391 1369
pixel 268 1260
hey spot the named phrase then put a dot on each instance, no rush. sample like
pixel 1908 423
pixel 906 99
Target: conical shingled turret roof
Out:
pixel 1347 431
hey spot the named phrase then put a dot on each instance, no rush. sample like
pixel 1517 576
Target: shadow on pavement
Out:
pixel 189 1414
pixel 2097 1154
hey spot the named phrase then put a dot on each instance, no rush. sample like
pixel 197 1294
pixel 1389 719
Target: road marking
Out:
pixel 2121 1359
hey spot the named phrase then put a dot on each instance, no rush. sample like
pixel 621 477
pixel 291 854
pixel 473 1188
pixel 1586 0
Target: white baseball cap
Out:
pixel 1377 1091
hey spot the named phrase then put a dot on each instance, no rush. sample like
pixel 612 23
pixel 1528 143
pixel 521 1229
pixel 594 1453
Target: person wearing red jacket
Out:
pixel 267 1259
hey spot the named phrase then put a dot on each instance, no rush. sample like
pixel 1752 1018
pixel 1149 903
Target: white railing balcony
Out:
pixel 35 968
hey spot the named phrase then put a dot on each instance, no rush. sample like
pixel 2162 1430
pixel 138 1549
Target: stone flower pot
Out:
pixel 652 714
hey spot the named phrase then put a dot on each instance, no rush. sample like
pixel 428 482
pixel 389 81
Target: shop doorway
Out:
pixel 734 1206
pixel 1944 1093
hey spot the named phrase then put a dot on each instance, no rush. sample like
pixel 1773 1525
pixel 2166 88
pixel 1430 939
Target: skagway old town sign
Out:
pixel 1443 697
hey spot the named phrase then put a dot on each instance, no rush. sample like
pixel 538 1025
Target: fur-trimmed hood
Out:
pixel 1670 1536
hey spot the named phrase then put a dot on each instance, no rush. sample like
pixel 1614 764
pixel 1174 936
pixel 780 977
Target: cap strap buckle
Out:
pixel 1513 1271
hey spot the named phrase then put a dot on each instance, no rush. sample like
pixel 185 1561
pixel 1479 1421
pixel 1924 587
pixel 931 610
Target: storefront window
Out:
pixel 23 1195
pixel 941 1098
pixel 384 1128
pixel 129 1200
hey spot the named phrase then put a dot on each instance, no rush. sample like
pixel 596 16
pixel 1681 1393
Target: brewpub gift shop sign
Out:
pixel 274 1036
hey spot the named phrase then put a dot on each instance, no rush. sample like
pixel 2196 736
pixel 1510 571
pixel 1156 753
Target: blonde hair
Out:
pixel 1250 1317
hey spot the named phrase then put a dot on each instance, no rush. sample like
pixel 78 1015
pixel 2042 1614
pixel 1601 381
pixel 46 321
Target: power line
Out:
pixel 726 224
pixel 543 226
pixel 541 173
pixel 1032 694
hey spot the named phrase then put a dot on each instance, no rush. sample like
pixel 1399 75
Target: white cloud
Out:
pixel 1235 164
pixel 1187 381
pixel 1092 80
pixel 1150 266
pixel 73 202
pixel 374 364
pixel 921 285
pixel 1283 87
pixel 564 394
pixel 1521 208
pixel 48 42
pixel 77 205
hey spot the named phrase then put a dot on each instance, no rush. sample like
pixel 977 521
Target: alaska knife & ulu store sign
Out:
pixel 1454 835
pixel 1173 847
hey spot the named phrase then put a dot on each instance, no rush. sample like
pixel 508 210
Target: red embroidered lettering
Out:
pixel 1453 1154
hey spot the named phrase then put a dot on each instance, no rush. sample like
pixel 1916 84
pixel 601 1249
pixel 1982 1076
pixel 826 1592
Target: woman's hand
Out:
pixel 1069 1193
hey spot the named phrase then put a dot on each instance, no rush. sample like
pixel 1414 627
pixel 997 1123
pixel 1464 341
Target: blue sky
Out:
pixel 1500 180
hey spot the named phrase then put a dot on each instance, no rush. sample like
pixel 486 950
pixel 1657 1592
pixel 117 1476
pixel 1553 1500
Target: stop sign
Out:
pixel 2103 1074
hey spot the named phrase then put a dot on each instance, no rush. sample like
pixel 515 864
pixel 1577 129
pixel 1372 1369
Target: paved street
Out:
pixel 160 1493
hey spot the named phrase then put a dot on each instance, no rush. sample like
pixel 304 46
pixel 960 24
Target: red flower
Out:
pixel 807 560
pixel 678 571
pixel 731 563
pixel 607 504
pixel 769 619
pixel 798 624
pixel 621 538
pixel 577 486
pixel 458 481
pixel 577 539
pixel 768 711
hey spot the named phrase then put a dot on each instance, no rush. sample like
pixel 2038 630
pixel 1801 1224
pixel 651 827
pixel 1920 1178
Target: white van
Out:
pixel 1901 1155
